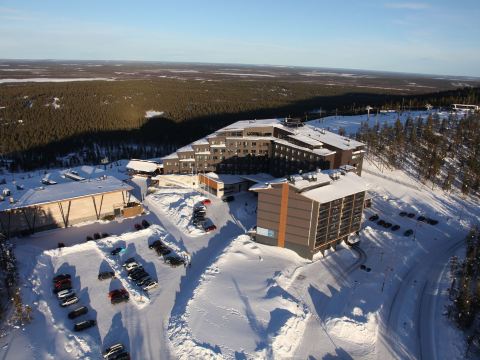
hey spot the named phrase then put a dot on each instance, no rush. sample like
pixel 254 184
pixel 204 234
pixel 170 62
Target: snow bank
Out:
pixel 238 308
pixel 178 204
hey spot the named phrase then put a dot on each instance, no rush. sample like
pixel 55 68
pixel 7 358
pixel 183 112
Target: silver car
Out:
pixel 65 294
pixel 68 301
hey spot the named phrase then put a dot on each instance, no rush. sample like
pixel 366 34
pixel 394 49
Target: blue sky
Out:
pixel 434 37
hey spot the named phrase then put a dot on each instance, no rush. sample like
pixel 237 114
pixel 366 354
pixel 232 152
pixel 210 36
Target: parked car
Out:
pixel 128 261
pixel 395 227
pixel 105 235
pixel 138 275
pixel 422 218
pixel 89 238
pixel 120 356
pixel 387 225
pixel 61 277
pixel 138 227
pixel 373 217
pixel 145 223
pixel 106 275
pixel 61 287
pixel 411 215
pixel 381 222
pixel 432 221
pixel 65 294
pixel 117 292
pixel 63 281
pixel 119 298
pixel 409 232
pixel 68 301
pixel 130 266
pixel 77 312
pixel 117 251
pixel 228 198
pixel 97 236
pixel 111 350
pixel 199 206
pixel 175 261
pixel 149 285
pixel 403 213
pixel 142 280
pixel 206 201
pixel 209 228
pixel 162 251
pixel 155 244
pixel 84 325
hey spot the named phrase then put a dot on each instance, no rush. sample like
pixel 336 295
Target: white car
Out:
pixel 68 301
pixel 114 349
pixel 131 266
pixel 65 294
pixel 150 285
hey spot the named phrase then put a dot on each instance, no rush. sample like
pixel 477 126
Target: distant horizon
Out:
pixel 381 71
pixel 399 36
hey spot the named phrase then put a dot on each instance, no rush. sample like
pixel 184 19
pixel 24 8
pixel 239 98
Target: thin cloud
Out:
pixel 408 5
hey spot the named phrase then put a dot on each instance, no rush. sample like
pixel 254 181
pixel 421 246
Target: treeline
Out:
pixel 35 129
pixel 441 152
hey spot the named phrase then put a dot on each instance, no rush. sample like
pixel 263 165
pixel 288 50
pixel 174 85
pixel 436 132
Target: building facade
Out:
pixel 311 212
pixel 270 146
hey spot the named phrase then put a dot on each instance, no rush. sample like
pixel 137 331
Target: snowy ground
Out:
pixel 243 300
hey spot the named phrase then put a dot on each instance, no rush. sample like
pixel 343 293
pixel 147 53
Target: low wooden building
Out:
pixel 62 205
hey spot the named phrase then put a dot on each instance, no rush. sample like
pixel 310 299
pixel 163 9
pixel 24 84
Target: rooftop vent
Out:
pixel 6 192
pixel 12 201
pixel 335 175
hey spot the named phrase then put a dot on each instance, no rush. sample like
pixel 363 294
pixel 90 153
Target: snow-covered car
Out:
pixel 84 325
pixel 65 294
pixel 106 275
pixel 77 312
pixel 68 301
pixel 149 285
pixel 111 350
pixel 145 223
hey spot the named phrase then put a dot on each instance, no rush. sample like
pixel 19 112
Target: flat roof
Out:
pixel 230 179
pixel 142 165
pixel 346 185
pixel 66 191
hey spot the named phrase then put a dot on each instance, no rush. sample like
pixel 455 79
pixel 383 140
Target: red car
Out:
pixel 206 201
pixel 117 292
pixel 61 282
pixel 210 228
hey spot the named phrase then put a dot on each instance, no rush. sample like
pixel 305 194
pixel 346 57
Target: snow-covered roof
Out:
pixel 170 157
pixel 142 165
pixel 186 148
pixel 225 178
pixel 306 139
pixel 346 185
pixel 319 186
pixel 67 191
